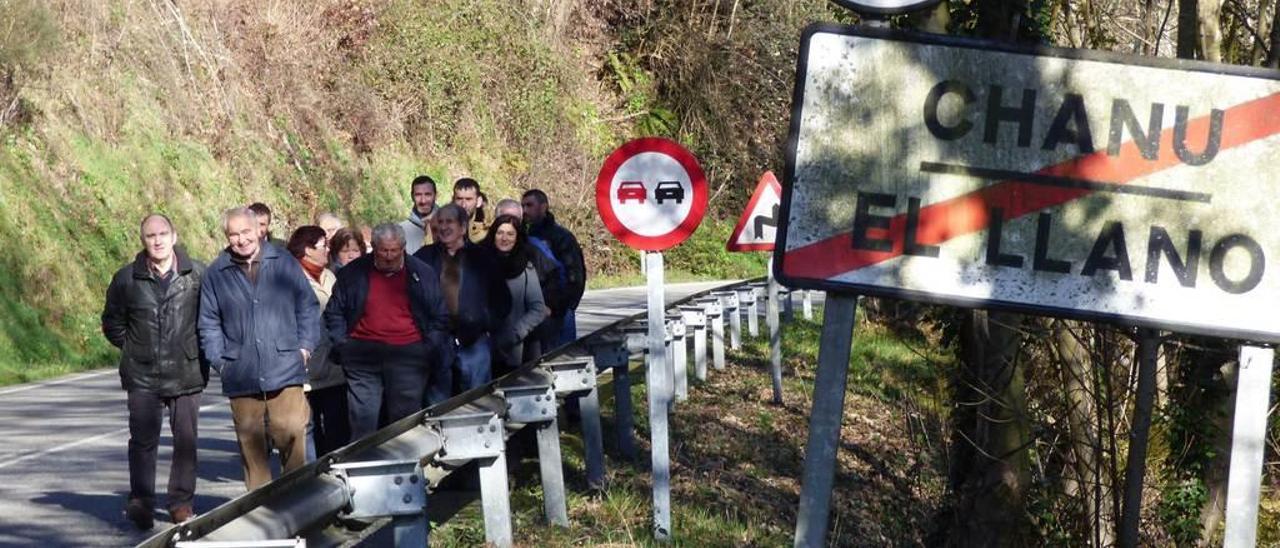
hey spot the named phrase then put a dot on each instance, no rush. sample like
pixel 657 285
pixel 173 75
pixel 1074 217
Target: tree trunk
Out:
pixel 1083 482
pixel 991 466
pixel 1209 14
pixel 1188 29
pixel 1273 48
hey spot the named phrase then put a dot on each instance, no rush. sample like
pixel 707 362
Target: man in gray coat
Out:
pixel 150 315
pixel 259 323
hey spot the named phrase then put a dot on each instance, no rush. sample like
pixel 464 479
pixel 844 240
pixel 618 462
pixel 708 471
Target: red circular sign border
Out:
pixel 697 179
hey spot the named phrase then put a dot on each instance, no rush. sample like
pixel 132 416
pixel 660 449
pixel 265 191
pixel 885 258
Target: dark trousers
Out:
pixel 381 374
pixel 146 412
pixel 330 426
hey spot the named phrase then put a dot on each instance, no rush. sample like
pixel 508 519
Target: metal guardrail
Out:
pixel 387 473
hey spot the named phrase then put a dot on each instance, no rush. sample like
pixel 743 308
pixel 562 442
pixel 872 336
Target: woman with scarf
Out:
pixel 509 242
pixel 326 392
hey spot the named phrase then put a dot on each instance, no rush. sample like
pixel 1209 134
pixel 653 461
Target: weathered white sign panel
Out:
pixel 1049 181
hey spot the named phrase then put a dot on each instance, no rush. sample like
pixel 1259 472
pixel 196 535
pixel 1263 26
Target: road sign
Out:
pixel 886 7
pixel 1050 181
pixel 758 227
pixel 651 194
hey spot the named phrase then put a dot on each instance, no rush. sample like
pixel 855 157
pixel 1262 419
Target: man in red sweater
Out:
pixel 388 323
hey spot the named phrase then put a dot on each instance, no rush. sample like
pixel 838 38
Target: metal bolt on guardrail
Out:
pixel 395 488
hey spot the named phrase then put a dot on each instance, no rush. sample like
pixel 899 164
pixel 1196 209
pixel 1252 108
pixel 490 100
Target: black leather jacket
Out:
pixel 156 332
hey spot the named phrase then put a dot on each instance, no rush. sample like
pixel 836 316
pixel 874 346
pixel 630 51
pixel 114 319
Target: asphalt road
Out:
pixel 63 472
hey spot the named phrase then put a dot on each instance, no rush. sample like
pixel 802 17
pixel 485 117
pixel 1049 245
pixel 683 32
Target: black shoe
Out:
pixel 140 514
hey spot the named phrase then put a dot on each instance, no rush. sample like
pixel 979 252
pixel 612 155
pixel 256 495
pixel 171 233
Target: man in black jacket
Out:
pixel 476 297
pixel 150 314
pixel 388 324
pixel 542 224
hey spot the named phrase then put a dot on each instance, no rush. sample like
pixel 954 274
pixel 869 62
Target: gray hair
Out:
pixel 454 211
pixel 327 216
pixel 238 212
pixel 508 203
pixel 388 231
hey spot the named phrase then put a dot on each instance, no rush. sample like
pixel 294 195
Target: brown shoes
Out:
pixel 181 514
pixel 140 513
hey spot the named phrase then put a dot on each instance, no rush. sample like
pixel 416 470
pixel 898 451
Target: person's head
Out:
pixel 158 237
pixel 345 246
pixel 308 243
pixel 240 225
pixel 506 234
pixel 388 247
pixel 507 206
pixel 449 226
pixel 423 190
pixel 466 194
pixel 329 222
pixel 535 205
pixel 263 214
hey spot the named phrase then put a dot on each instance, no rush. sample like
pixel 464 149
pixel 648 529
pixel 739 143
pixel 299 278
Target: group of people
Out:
pixel 324 338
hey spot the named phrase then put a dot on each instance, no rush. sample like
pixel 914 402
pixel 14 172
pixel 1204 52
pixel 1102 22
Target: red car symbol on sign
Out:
pixel 631 190
pixel 669 190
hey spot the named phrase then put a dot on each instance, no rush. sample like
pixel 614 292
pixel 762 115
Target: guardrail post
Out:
pixel 614 355
pixel 480 436
pixel 749 304
pixel 678 330
pixel 807 306
pixel 775 336
pixel 715 316
pixel 696 319
pixel 729 301
pixel 389 488
pixel 531 399
pixel 788 306
pixel 577 378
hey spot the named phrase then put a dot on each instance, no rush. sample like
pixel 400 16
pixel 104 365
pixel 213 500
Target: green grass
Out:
pixel 737 460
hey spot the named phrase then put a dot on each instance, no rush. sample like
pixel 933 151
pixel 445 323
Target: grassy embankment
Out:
pixel 737 459
pixel 110 110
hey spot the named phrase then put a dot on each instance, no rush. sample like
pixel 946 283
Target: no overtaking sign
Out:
pixel 1050 181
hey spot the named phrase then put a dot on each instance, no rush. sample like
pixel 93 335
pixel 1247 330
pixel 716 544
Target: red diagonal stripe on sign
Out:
pixel 969 213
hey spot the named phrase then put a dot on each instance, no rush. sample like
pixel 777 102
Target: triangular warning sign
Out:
pixel 758 227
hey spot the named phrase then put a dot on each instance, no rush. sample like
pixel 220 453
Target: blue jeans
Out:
pixel 472 366
pixel 568 329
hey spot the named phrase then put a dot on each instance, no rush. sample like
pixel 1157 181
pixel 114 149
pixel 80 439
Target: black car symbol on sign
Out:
pixel 631 190
pixel 669 190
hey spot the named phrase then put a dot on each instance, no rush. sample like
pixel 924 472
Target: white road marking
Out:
pixel 83 441
pixel 64 380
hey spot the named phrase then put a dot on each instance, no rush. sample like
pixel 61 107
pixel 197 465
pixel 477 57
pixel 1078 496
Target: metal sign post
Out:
pixel 652 194
pixel 775 336
pixel 824 420
pixel 659 389
pixel 1248 440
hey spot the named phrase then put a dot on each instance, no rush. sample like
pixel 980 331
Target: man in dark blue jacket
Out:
pixel 476 297
pixel 542 224
pixel 388 323
pixel 259 322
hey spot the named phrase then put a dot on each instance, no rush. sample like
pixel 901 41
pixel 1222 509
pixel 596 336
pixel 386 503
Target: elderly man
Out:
pixel 388 323
pixel 330 222
pixel 150 314
pixel 475 295
pixel 259 322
